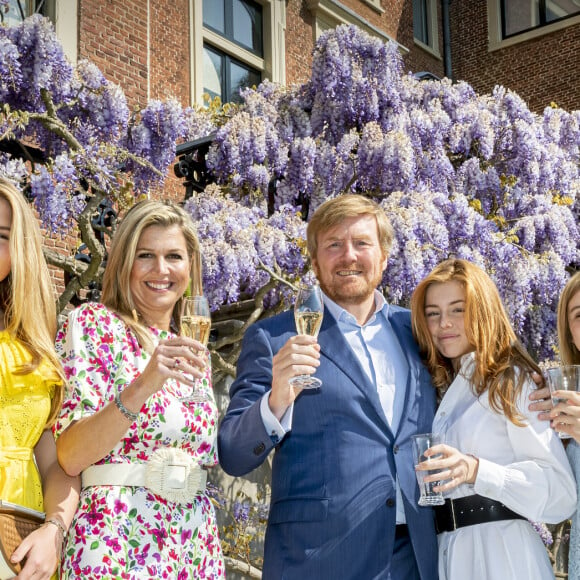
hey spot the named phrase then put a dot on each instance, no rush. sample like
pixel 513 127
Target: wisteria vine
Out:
pixel 476 176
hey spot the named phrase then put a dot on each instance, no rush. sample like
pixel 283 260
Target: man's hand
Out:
pixel 299 356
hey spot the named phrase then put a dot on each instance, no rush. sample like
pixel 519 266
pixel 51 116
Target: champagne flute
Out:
pixel 308 312
pixel 196 324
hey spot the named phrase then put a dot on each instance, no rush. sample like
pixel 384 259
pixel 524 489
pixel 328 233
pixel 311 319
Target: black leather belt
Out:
pixel 401 531
pixel 471 510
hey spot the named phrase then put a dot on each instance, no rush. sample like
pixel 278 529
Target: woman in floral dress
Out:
pixel 127 425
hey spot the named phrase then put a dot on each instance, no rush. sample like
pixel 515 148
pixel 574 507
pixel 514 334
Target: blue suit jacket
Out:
pixel 332 514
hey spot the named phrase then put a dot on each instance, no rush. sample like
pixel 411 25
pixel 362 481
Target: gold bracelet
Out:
pixel 124 411
pixel 59 525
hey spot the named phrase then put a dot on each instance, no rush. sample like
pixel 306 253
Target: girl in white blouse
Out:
pixel 500 465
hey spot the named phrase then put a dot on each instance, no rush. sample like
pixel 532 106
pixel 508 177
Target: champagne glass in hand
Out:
pixel 196 324
pixel 308 311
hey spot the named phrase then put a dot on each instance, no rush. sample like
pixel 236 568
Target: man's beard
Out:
pixel 354 293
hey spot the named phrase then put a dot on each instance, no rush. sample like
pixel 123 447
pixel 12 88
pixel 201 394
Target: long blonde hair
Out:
pixel 488 330
pixel 117 293
pixel 569 354
pixel 27 293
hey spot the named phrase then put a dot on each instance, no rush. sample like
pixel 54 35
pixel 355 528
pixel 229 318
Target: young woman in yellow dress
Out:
pixel 31 388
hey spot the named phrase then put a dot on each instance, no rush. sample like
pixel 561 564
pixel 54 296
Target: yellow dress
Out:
pixel 24 408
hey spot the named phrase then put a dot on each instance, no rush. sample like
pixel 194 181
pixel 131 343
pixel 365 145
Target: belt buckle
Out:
pixel 173 475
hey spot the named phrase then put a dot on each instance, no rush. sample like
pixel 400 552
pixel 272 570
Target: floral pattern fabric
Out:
pixel 129 532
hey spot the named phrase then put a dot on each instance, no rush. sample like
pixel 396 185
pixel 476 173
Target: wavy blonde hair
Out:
pixel 568 351
pixel 27 293
pixel 117 293
pixel 498 353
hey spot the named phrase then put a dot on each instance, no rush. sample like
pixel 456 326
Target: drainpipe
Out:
pixel 446 38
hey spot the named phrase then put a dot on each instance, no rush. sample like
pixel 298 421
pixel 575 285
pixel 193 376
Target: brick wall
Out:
pixel 113 35
pixel 396 20
pixel 540 70
pixel 170 50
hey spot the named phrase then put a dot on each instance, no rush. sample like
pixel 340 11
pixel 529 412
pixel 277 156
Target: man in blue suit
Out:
pixel 344 491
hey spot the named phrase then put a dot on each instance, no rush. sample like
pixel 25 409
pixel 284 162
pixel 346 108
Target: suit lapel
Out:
pixel 402 330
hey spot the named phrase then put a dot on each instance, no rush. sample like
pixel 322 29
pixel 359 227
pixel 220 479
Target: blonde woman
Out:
pixel 31 387
pixel 500 465
pixel 127 425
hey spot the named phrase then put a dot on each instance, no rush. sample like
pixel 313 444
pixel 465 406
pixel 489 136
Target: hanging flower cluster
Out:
pixel 460 174
pixel 82 124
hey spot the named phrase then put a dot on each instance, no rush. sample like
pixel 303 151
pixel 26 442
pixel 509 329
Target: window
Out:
pixel 63 14
pixel 511 22
pixel 224 76
pixel 18 10
pixel 425 26
pixel 236 43
pixel 239 22
pixel 519 16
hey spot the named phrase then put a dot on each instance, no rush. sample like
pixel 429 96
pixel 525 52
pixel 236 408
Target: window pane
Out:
pixel 14 14
pixel 421 21
pixel 214 15
pixel 241 77
pixel 212 73
pixel 520 15
pixel 247 25
pixel 556 9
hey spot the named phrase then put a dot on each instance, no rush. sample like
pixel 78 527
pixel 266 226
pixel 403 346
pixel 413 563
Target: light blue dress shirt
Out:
pixel 380 355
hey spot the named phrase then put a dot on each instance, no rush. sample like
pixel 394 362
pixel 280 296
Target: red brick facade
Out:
pixel 540 70
pixel 154 61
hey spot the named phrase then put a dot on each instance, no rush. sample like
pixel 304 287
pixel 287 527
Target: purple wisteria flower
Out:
pixel 460 174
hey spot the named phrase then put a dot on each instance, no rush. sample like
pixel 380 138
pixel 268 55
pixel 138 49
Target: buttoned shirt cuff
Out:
pixel 276 429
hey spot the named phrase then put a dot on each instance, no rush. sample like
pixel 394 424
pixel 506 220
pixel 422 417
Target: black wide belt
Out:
pixel 471 510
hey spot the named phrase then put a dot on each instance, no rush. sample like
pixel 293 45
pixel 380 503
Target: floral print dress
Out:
pixel 129 532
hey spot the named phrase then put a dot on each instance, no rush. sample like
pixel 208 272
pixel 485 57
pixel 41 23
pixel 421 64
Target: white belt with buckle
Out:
pixel 170 473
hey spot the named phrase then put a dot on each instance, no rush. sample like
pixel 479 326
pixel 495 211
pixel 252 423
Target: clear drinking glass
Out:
pixel 421 443
pixel 196 324
pixel 308 312
pixel 564 378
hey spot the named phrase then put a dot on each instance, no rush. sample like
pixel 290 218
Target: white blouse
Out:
pixel 525 468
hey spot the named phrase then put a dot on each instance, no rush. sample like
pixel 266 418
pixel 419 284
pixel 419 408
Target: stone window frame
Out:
pixel 271 64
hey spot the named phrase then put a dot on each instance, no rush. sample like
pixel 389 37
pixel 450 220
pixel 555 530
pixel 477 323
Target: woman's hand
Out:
pixel 181 358
pixel 42 549
pixel 565 416
pixel 541 402
pixel 454 467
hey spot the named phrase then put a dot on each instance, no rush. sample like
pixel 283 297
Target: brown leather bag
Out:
pixel 16 522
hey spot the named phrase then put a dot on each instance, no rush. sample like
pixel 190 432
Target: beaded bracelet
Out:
pixel 58 524
pixel 125 412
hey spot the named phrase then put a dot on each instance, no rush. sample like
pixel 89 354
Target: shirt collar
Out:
pixel 342 315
